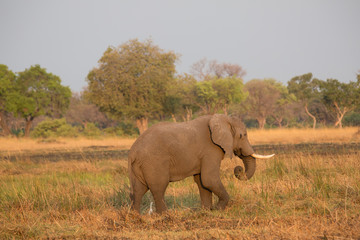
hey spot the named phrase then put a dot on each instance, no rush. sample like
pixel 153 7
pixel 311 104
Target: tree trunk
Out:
pixel 3 124
pixel 225 109
pixel 28 124
pixel 188 116
pixel 142 124
pixel 278 121
pixel 312 116
pixel 85 124
pixel 339 121
pixel 340 115
pixel 173 117
pixel 261 122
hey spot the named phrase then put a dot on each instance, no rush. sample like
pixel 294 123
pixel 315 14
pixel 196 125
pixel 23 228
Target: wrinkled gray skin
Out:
pixel 169 152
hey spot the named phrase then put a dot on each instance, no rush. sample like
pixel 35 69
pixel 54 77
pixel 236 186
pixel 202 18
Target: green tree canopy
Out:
pixel 8 96
pixel 230 90
pixel 305 90
pixel 41 93
pixel 282 108
pixel 217 94
pixel 132 80
pixel 206 97
pixel 340 98
pixel 181 98
pixel 263 99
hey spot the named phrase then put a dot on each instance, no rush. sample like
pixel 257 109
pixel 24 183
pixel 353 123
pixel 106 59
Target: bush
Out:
pixel 54 128
pixel 114 131
pixel 128 128
pixel 122 129
pixel 352 119
pixel 67 130
pixel 91 131
pixel 251 123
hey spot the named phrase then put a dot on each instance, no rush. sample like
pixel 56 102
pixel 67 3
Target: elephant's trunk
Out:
pixel 250 166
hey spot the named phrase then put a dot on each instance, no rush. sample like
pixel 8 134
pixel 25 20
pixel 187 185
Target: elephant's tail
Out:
pixel 135 172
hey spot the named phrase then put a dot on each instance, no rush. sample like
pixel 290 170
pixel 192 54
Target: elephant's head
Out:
pixel 230 134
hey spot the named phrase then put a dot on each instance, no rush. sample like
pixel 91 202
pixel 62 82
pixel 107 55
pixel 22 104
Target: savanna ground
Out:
pixel 78 188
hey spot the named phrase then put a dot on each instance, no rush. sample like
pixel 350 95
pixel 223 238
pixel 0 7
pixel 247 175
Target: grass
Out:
pixel 28 144
pixel 293 196
pixel 304 135
pixel 268 136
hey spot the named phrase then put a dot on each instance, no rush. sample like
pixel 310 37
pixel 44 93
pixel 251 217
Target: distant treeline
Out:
pixel 136 84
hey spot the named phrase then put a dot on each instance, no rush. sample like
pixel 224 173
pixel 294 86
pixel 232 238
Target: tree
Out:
pixel 8 95
pixel 321 112
pixel 41 93
pixel 262 99
pixel 186 88
pixel 132 80
pixel 82 112
pixel 305 91
pixel 340 98
pixel 229 91
pixel 204 70
pixel 181 98
pixel 283 104
pixel 217 94
pixel 206 96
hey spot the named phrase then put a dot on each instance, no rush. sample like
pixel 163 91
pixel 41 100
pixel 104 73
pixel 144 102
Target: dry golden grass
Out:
pixel 303 195
pixel 269 136
pixel 28 144
pixel 304 135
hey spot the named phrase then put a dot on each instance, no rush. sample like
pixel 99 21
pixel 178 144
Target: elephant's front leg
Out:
pixel 210 179
pixel 205 194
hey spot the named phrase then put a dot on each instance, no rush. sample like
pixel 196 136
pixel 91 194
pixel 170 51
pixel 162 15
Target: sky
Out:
pixel 276 39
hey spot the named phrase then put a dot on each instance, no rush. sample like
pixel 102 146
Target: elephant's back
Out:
pixel 149 139
pixel 161 137
pixel 167 137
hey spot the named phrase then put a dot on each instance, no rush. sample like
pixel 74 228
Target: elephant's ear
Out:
pixel 220 132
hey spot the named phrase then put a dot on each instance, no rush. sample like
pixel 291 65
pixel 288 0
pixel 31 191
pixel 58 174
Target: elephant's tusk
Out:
pixel 262 156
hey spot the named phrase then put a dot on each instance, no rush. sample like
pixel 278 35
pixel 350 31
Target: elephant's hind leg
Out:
pixel 158 183
pixel 205 194
pixel 137 192
pixel 158 194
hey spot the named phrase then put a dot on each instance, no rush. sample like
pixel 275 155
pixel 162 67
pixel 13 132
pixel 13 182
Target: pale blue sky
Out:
pixel 276 39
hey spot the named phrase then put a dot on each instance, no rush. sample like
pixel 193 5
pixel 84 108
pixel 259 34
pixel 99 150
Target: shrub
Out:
pixel 91 130
pixel 128 128
pixel 67 130
pixel 114 131
pixel 54 128
pixel 122 129
pixel 352 119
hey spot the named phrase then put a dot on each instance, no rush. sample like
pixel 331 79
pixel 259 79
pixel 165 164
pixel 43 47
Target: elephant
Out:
pixel 169 152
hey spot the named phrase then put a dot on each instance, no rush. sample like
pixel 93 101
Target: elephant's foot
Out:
pixel 160 206
pixel 206 202
pixel 221 205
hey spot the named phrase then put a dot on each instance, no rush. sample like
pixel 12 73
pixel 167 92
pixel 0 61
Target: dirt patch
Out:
pixel 92 153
